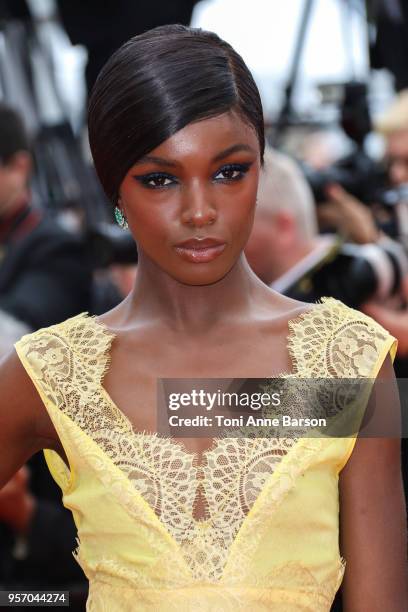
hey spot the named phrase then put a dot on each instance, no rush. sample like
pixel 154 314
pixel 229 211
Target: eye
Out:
pixel 156 180
pixel 232 172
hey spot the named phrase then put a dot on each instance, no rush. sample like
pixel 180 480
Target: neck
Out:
pixel 192 309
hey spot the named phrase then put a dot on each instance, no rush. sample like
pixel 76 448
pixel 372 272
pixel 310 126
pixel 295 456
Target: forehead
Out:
pixel 208 137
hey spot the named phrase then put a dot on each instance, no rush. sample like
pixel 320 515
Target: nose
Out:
pixel 198 209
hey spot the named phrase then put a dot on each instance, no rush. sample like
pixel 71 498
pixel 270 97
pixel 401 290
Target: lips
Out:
pixel 200 250
pixel 200 243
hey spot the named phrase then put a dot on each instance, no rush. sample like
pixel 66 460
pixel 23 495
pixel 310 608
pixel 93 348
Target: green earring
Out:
pixel 120 218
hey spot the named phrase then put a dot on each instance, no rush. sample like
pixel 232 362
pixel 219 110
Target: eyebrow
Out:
pixel 160 161
pixel 234 149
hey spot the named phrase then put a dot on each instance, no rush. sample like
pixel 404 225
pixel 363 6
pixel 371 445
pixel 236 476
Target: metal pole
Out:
pixel 286 110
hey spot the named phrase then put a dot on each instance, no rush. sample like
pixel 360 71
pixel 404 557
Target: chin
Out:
pixel 200 278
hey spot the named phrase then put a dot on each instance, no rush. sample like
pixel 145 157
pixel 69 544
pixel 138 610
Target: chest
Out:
pixel 134 384
pixel 134 367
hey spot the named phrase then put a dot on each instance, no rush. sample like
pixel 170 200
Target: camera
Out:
pixel 352 273
pixel 358 173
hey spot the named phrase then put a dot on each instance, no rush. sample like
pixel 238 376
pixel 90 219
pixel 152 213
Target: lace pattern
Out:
pixel 292 588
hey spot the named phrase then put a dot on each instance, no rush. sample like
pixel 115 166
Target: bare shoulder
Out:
pixel 116 317
pixel 291 305
pixel 285 309
pixel 25 426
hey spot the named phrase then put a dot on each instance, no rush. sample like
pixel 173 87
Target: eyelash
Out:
pixel 146 178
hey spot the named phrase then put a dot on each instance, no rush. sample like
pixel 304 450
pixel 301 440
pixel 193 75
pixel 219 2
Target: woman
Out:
pixel 176 131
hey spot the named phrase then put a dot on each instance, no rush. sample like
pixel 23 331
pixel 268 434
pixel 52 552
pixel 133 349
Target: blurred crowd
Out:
pixel 318 231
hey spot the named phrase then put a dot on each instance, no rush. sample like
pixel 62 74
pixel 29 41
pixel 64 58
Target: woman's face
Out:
pixel 199 184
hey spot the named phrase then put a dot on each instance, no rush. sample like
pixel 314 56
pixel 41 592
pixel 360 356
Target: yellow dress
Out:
pixel 272 539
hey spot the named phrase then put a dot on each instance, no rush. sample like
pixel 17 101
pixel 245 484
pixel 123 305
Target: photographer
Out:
pixel 44 273
pixel 286 250
pixel 44 277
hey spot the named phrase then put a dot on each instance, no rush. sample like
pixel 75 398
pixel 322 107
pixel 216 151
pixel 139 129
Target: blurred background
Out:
pixel 332 215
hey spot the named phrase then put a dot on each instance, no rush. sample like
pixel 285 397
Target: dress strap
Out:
pixel 335 340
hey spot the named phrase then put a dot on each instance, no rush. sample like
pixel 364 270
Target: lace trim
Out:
pixel 288 582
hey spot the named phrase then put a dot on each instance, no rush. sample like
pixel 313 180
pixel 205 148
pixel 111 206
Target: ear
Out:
pixel 285 223
pixel 121 205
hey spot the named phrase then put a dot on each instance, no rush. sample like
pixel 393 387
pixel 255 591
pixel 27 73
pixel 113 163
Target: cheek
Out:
pixel 243 204
pixel 148 226
pixel 149 219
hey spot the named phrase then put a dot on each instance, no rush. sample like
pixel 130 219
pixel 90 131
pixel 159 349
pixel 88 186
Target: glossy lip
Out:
pixel 200 243
pixel 198 250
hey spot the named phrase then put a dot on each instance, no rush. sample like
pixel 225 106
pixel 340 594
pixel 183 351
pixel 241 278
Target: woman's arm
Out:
pixel 24 421
pixel 373 519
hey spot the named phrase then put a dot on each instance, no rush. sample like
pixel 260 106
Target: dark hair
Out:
pixel 13 135
pixel 156 84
